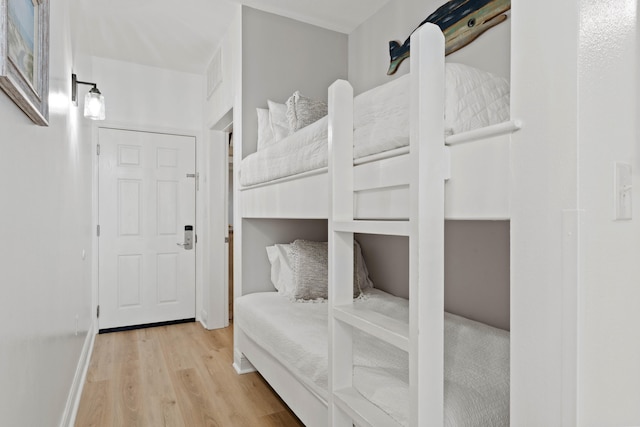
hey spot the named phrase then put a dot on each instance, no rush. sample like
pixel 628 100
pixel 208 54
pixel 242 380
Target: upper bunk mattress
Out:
pixel 476 374
pixel 473 99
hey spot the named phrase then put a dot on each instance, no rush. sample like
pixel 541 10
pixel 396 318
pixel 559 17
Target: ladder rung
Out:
pixel 362 411
pixel 391 228
pixel 380 326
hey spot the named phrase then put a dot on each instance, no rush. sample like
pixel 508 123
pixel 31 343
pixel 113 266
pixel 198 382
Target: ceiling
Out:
pixel 183 34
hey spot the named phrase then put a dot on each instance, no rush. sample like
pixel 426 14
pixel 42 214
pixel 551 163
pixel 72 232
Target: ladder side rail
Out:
pixel 340 133
pixel 427 148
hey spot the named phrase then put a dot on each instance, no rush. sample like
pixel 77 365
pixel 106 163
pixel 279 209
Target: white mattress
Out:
pixel 474 99
pixel 476 356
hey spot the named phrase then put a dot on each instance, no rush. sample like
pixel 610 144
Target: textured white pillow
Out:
pixel 279 122
pixel 302 111
pixel 381 118
pixel 474 98
pixel 265 133
pixel 299 270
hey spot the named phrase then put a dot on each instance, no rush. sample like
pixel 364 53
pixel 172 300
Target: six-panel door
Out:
pixel 146 199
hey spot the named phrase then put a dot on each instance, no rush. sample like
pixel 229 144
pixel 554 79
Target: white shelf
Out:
pixel 380 326
pixel 362 411
pixel 390 228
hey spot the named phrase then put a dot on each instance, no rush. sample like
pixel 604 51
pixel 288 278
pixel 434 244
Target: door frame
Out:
pixel 95 126
pixel 214 310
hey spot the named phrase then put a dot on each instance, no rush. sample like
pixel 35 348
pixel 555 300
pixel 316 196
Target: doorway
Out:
pixel 217 213
pixel 230 222
pixel 146 217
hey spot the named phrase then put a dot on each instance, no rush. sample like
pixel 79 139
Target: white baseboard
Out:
pixel 73 400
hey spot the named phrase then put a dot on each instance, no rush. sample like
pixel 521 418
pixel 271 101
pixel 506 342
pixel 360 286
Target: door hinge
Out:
pixel 98 311
pixel 98 149
pixel 195 238
pixel 98 230
pixel 226 240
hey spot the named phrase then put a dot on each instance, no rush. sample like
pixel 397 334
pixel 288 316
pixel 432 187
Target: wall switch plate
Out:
pixel 622 192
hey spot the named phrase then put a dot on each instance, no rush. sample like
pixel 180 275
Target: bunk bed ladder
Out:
pixel 422 337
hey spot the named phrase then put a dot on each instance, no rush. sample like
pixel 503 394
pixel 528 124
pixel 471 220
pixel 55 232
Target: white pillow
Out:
pixel 279 122
pixel 276 267
pixel 381 118
pixel 302 111
pixel 474 98
pixel 265 133
pixel 281 272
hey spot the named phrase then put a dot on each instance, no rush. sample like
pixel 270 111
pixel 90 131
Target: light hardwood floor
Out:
pixel 178 375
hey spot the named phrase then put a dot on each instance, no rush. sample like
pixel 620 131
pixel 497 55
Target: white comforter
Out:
pixel 474 99
pixel 476 389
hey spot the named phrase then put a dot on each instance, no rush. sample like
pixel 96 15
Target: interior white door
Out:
pixel 146 199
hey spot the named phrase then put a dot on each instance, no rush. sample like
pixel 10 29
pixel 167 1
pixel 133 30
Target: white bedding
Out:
pixel 476 356
pixel 474 99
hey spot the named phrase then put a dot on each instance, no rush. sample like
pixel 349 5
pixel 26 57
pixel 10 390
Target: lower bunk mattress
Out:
pixel 476 370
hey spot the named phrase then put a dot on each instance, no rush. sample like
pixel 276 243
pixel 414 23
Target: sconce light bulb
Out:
pixel 94 107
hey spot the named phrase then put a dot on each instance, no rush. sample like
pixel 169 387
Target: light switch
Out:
pixel 622 191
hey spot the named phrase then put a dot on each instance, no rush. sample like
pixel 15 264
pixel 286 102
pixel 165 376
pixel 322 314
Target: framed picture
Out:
pixel 24 56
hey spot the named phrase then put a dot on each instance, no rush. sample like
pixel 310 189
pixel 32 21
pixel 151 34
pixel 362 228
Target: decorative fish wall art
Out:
pixel 461 22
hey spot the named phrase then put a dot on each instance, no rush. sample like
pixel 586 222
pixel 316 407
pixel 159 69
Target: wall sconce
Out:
pixel 93 101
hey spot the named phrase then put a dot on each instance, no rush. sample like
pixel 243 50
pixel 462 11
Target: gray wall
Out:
pixel 476 268
pixel 369 44
pixel 281 55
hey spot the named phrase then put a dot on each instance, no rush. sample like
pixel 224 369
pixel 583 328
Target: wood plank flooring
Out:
pixel 174 376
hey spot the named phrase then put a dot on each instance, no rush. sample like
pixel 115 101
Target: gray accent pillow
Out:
pixel 310 265
pixel 310 270
pixel 302 111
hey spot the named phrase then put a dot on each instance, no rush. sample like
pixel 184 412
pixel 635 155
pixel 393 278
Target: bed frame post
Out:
pixel 340 134
pixel 426 247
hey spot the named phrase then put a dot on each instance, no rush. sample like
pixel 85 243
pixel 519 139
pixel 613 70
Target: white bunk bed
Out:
pixel 402 194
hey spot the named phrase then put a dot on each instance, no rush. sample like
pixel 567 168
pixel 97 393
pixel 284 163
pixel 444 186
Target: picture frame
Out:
pixel 24 56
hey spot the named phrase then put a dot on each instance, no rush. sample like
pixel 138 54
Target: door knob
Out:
pixel 188 238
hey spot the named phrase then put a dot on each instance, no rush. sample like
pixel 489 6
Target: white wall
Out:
pixel 222 99
pixel 144 96
pixel 609 298
pixel 45 309
pixel 215 173
pixel 369 44
pixel 575 294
